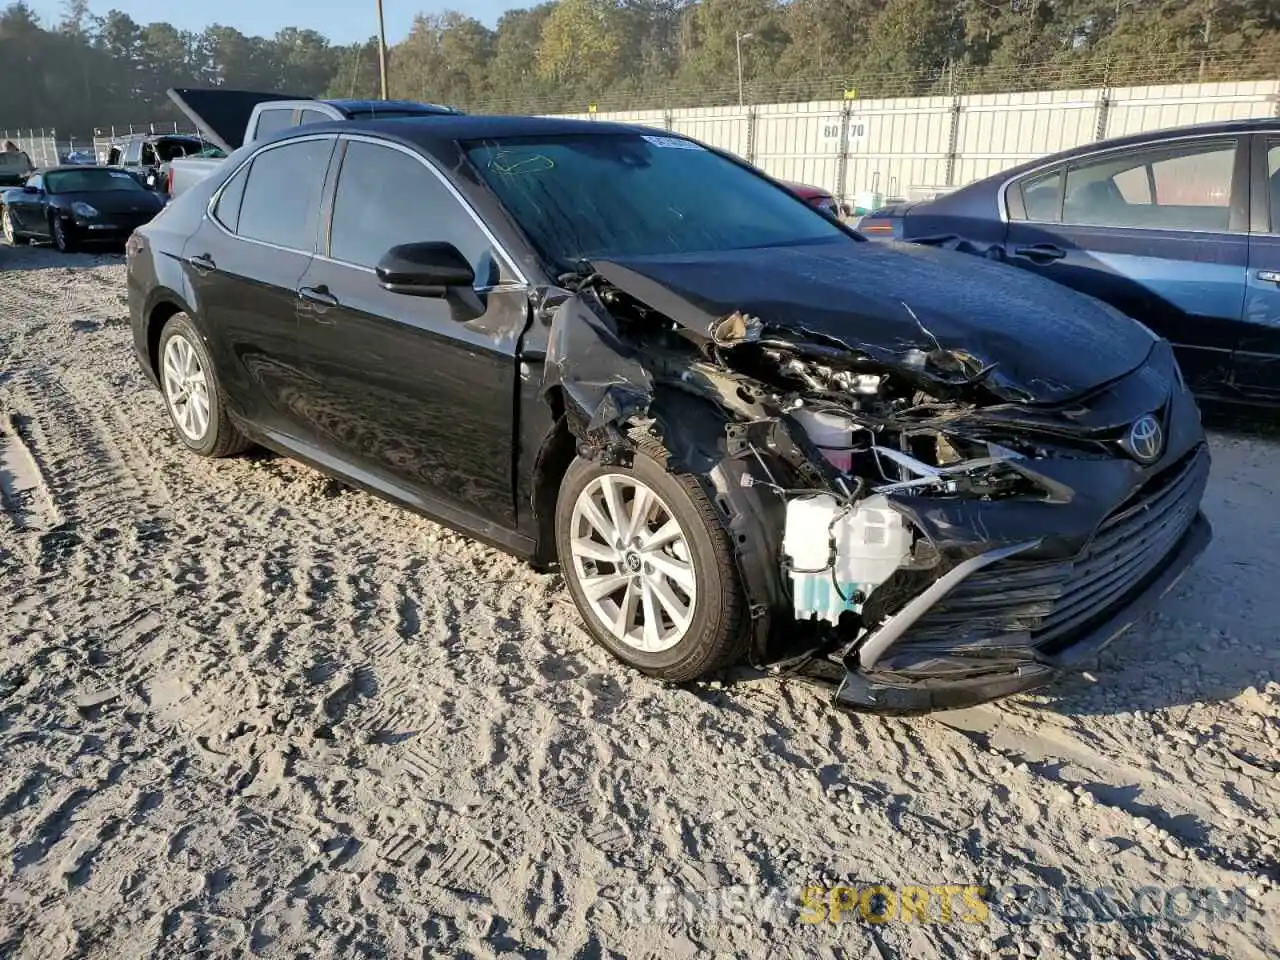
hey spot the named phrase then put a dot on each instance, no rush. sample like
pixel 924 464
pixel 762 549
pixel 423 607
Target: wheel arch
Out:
pixel 556 452
pixel 163 307
pixel 692 430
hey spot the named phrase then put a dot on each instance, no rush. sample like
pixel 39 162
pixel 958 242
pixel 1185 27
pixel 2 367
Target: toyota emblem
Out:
pixel 1146 439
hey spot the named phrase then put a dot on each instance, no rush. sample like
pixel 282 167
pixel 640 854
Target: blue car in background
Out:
pixel 1179 229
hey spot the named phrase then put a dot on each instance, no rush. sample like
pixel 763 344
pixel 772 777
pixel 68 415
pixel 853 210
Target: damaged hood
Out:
pixel 1047 343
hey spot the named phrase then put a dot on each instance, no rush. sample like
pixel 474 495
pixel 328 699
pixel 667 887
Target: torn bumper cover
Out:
pixel 917 679
pixel 934 503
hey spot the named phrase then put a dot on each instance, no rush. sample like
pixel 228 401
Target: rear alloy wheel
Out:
pixel 191 392
pixel 650 567
pixel 6 225
pixel 61 235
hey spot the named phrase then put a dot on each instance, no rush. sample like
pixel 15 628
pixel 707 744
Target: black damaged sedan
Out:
pixel 743 433
pixel 73 206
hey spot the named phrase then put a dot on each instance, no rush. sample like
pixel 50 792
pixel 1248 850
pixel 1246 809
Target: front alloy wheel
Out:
pixel 650 566
pixel 632 560
pixel 6 224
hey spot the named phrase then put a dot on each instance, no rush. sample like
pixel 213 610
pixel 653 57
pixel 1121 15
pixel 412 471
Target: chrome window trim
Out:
pixel 522 280
pixel 1002 203
pixel 217 194
pixel 1270 141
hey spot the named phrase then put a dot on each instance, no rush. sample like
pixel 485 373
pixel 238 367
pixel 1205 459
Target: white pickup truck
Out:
pixel 232 118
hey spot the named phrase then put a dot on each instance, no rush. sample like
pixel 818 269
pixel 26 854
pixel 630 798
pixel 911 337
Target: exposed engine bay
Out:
pixel 862 481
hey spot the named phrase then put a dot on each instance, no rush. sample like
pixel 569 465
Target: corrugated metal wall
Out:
pixel 918 145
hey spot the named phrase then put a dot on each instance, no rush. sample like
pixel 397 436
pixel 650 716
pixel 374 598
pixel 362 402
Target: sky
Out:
pixel 342 21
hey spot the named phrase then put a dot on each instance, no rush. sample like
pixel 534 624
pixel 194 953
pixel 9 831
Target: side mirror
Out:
pixel 29 188
pixel 424 269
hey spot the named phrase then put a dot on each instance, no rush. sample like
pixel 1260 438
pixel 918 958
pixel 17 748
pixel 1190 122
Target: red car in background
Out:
pixel 814 196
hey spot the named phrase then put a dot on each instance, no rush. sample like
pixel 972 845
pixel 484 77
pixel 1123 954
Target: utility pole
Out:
pixel 739 37
pixel 382 51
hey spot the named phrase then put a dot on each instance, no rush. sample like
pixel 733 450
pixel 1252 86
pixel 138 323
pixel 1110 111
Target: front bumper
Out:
pixel 99 229
pixel 1018 671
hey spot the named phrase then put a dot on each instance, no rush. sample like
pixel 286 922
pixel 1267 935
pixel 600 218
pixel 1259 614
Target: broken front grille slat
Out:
pixel 1100 592
pixel 1050 599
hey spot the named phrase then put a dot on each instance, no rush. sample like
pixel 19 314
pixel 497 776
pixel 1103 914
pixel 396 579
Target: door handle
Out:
pixel 203 262
pixel 318 295
pixel 1269 276
pixel 1045 252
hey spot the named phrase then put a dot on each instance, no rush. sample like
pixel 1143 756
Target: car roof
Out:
pixel 130 137
pixel 372 106
pixel 433 129
pixel 1215 128
pixel 973 199
pixel 1224 127
pixel 67 167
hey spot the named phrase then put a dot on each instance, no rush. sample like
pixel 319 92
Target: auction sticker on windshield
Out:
pixel 675 143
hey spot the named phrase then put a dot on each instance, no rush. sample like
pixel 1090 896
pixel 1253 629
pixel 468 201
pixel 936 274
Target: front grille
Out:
pixel 1043 602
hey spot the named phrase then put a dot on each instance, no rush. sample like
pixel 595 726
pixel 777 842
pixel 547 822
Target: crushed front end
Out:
pixel 921 522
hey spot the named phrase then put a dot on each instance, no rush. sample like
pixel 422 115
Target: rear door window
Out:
pixel 281 199
pixel 386 197
pixel 313 116
pixel 273 121
pixel 1042 196
pixel 1169 187
pixel 227 210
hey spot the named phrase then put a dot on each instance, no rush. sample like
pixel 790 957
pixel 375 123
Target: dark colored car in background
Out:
pixel 744 432
pixel 74 205
pixel 15 167
pixel 1179 229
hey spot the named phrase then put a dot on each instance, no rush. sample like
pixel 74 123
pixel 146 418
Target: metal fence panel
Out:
pixel 643 118
pixel 904 147
pixel 916 146
pixel 723 127
pixel 1139 109
pixel 1000 130
pixel 800 142
pixel 896 143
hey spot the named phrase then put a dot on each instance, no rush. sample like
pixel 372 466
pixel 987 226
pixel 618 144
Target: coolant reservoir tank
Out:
pixel 831 433
pixel 871 541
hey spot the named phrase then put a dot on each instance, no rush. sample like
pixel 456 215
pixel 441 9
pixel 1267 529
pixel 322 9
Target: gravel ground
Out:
pixel 246 710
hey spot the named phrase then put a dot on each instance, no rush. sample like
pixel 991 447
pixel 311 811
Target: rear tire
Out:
pixel 191 392
pixel 660 591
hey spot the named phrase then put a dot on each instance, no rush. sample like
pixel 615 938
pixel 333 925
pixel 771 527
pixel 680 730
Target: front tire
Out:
pixel 62 236
pixel 11 235
pixel 191 392
pixel 650 567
